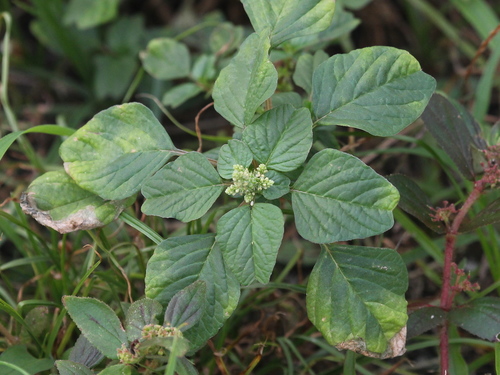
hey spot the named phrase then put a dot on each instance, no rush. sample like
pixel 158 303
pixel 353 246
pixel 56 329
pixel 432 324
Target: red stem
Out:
pixel 447 290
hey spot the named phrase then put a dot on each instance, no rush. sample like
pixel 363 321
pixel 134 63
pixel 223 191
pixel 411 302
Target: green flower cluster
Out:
pixel 142 348
pixel 249 183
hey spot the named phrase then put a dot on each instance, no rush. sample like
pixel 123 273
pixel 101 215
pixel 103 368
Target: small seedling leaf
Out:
pixel 249 238
pixel 481 317
pixel 166 58
pixel 56 201
pixel 339 198
pixel 178 262
pixel 142 312
pixel 286 19
pixel 234 152
pixel 186 308
pixel 456 132
pixel 98 323
pixel 184 189
pixel 355 297
pixel 116 151
pixel 248 80
pixel 281 138
pixel 380 90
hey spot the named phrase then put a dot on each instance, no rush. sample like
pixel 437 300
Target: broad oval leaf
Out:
pixel 184 189
pixel 339 198
pixel 481 317
pixel 187 307
pixel 141 313
pixel 56 201
pixel 380 90
pixel 488 215
pixel 425 319
pixel 281 138
pixel 180 261
pixel 86 14
pixel 179 94
pixel 234 152
pixel 249 237
pixel 98 323
pixel 355 297
pixel 286 19
pixel 280 187
pixel 248 80
pixel 116 151
pixel 166 58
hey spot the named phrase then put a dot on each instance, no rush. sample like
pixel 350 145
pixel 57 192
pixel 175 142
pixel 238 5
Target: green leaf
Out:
pixel 180 94
pixel 306 64
pixel 380 90
pixel 286 19
pixel 204 69
pixel 113 75
pixel 488 215
pixel 140 314
pixel 456 132
pixel 280 187
pixel 225 38
pixel 56 201
pixel 166 58
pixel 415 202
pixel 355 297
pixel 72 368
pixel 291 97
pixel 234 152
pixel 249 238
pixel 180 261
pixel 186 308
pixel 85 353
pixel 184 189
pixel 98 323
pixel 19 356
pixel 481 317
pixel 425 319
pixel 248 80
pixel 185 367
pixel 9 139
pixel 90 13
pixel 281 138
pixel 116 151
pixel 339 198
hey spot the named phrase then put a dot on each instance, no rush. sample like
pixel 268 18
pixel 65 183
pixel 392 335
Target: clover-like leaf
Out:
pixel 248 80
pixel 116 151
pixel 380 90
pixel 355 297
pixel 184 189
pixel 281 138
pixel 166 58
pixel 286 19
pixel 249 237
pixel 56 201
pixel 180 261
pixel 339 198
pixel 98 323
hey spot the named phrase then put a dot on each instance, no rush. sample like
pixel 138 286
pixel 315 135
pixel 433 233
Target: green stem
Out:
pixel 350 363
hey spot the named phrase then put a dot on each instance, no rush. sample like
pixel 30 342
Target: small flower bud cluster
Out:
pixel 135 353
pixel 249 183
